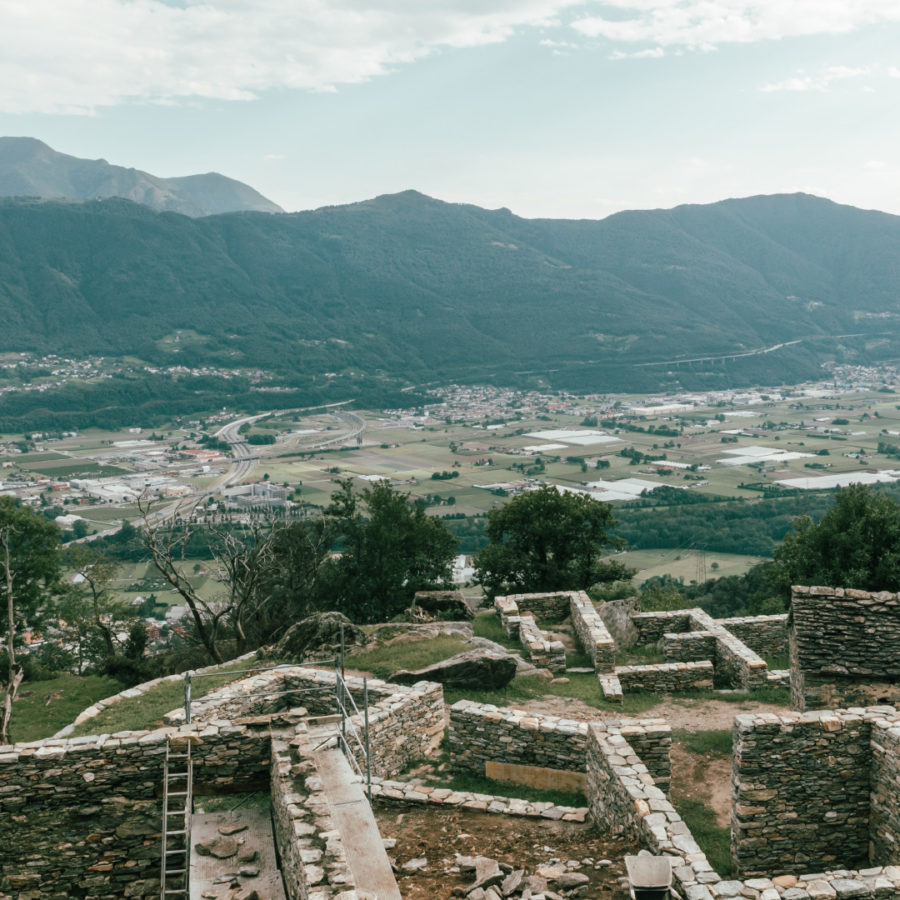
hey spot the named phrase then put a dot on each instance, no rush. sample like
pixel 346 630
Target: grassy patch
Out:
pixel 580 687
pixel 487 625
pixel 775 696
pixel 639 655
pixel 478 784
pixel 384 661
pixel 714 743
pixel 778 661
pixel 714 840
pixel 147 710
pixel 43 707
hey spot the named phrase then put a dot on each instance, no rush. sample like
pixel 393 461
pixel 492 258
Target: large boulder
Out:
pixel 445 605
pixel 317 637
pixel 481 669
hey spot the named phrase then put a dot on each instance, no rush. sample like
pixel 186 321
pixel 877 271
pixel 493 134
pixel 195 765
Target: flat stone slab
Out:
pixel 209 875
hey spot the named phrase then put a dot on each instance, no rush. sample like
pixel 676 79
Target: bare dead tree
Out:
pixel 166 547
pixel 242 561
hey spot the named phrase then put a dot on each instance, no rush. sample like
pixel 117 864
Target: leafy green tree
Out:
pixel 29 575
pixel 389 549
pixel 547 540
pixel 856 544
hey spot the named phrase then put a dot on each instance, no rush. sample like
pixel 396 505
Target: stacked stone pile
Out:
pixel 691 646
pixel 557 879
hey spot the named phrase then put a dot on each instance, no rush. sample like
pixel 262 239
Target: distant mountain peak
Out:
pixel 31 168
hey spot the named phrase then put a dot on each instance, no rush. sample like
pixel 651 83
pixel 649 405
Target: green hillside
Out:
pixel 414 288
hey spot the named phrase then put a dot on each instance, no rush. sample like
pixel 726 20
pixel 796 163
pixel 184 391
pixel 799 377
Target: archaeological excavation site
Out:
pixel 299 781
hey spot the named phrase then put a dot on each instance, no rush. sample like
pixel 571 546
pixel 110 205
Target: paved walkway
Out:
pixel 353 817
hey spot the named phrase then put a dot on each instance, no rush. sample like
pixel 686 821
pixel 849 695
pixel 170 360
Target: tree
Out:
pixel 547 540
pixel 29 575
pixel 389 549
pixel 856 544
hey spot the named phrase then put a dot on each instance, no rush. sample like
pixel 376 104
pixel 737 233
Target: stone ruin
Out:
pixel 698 650
pixel 816 811
pixel 844 647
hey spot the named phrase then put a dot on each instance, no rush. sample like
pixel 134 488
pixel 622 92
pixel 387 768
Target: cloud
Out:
pixel 823 80
pixel 650 53
pixel 705 24
pixel 75 56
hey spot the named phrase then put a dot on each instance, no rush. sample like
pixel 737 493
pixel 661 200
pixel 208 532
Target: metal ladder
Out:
pixel 178 784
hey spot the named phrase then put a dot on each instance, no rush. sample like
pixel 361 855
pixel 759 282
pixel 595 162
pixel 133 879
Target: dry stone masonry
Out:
pixel 844 647
pixel 83 814
pixel 481 734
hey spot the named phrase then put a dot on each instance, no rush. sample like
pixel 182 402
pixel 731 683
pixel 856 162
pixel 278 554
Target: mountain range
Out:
pixel 762 289
pixel 29 168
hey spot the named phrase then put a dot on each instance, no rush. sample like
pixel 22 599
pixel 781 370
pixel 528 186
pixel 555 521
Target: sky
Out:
pixel 551 108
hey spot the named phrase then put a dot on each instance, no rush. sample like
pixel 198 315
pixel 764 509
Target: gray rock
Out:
pixel 512 882
pixel 316 637
pixel 430 605
pixel 415 865
pixel 480 669
pixel 221 847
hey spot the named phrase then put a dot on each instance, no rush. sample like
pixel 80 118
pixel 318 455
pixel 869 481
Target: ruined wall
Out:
pixel 666 678
pixel 801 791
pixel 651 626
pixel 480 733
pixel 624 800
pixel 884 814
pixel 550 607
pixel 691 646
pixel 843 647
pixel 82 817
pixel 313 861
pixel 592 632
pixel 765 635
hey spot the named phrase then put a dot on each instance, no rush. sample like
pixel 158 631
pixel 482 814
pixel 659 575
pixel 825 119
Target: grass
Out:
pixel 488 625
pixel 714 839
pixel 712 743
pixel 775 696
pixel 530 687
pixel 639 655
pixel 43 707
pixel 147 710
pixel 385 660
pixel 479 784
pixel 778 661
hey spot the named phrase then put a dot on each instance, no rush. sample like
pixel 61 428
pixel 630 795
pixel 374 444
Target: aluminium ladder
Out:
pixel 178 784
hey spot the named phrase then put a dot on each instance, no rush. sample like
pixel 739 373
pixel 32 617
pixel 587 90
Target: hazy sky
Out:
pixel 549 107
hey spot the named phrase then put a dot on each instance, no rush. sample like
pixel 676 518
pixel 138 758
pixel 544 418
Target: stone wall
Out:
pixel 550 607
pixel 843 647
pixel 651 626
pixel 884 814
pixel 541 649
pixel 691 646
pixel 313 861
pixel 765 635
pixel 480 734
pixel 592 632
pixel 624 800
pixel 81 817
pixel 666 678
pixel 801 791
pixel 736 664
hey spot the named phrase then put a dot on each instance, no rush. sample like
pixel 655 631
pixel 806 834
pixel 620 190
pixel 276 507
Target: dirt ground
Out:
pixel 439 834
